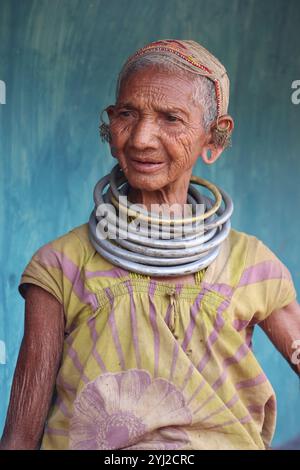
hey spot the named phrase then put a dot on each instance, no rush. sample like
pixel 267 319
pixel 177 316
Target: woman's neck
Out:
pixel 175 194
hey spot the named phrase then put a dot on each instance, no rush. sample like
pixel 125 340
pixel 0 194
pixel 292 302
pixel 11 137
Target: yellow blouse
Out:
pixel 156 365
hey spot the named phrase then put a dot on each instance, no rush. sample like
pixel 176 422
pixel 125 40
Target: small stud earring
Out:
pixel 104 129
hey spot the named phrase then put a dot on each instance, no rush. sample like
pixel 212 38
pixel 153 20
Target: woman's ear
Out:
pixel 110 112
pixel 219 138
pixel 210 155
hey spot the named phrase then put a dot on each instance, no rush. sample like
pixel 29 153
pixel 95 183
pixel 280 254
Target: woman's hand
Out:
pixel 36 370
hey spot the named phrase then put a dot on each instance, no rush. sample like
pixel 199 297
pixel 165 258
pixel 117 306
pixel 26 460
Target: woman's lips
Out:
pixel 146 167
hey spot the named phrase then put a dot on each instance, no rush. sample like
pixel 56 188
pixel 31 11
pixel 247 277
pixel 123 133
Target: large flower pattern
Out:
pixel 129 410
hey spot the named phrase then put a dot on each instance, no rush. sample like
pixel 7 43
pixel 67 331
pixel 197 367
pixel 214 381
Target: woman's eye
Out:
pixel 172 118
pixel 124 113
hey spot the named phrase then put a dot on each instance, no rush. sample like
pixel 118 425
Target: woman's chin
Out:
pixel 146 182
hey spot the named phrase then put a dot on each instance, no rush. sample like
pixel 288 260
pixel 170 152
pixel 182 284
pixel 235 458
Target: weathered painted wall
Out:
pixel 59 61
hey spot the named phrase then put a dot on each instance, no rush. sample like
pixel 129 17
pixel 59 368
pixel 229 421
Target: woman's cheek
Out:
pixel 185 146
pixel 119 134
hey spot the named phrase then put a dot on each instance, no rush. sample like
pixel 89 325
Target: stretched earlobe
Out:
pixel 113 151
pixel 219 138
pixel 209 156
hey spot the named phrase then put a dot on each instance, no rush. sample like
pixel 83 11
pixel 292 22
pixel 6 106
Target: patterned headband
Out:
pixel 193 57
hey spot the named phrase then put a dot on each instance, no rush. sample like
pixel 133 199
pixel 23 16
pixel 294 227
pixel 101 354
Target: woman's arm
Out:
pixel 36 370
pixel 283 329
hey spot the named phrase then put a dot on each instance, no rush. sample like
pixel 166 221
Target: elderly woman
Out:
pixel 145 342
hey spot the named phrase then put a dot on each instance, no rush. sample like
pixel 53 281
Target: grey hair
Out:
pixel 203 94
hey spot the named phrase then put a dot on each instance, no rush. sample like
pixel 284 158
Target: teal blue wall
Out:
pixel 59 60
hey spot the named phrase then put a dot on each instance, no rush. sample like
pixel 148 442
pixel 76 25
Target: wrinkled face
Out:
pixel 156 128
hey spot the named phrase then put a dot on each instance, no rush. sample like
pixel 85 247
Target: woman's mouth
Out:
pixel 146 166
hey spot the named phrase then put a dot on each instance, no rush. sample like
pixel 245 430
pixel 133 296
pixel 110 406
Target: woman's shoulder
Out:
pixel 240 254
pixel 228 266
pixel 253 249
pixel 257 280
pixel 76 239
pixel 73 245
pixel 62 261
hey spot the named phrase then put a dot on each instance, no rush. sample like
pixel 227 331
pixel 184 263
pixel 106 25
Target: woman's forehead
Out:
pixel 156 85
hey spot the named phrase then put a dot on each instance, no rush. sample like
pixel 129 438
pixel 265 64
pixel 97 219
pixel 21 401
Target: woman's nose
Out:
pixel 144 134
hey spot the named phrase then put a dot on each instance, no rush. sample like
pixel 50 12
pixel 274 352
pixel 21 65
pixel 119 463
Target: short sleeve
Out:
pixel 54 267
pixel 265 285
pixel 44 271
